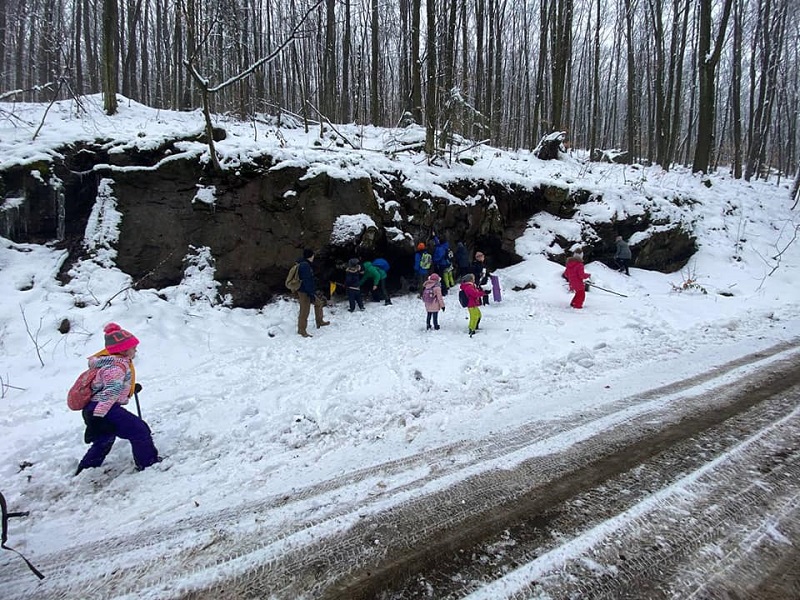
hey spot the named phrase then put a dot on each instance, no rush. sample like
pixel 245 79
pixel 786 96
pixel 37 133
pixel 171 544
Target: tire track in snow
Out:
pixel 270 528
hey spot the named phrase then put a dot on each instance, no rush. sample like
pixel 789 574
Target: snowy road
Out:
pixel 687 489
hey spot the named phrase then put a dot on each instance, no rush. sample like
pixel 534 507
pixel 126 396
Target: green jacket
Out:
pixel 372 273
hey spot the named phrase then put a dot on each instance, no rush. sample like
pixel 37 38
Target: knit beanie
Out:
pixel 118 340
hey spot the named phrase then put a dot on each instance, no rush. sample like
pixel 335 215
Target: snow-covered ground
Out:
pixel 242 407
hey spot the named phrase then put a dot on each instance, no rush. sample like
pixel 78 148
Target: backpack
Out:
pixel 293 278
pixel 381 263
pixel 463 300
pixel 81 391
pixel 425 261
pixel 428 295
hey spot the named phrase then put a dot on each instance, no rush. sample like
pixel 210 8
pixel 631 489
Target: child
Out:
pixel 474 301
pixel 575 275
pixel 105 417
pixel 352 278
pixel 432 296
pixel 622 256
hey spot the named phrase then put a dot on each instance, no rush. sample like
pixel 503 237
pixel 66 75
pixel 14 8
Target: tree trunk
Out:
pixel 632 105
pixel 595 123
pixel 560 55
pixel 544 26
pixel 431 111
pixel 329 60
pixel 110 55
pixel 346 42
pixel 736 89
pixel 416 63
pixel 77 20
pixel 707 60
pixel 374 97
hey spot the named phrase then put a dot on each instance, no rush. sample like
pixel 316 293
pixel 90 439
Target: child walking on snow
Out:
pixel 575 275
pixel 474 301
pixel 433 299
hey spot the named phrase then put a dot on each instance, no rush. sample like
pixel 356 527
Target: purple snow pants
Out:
pixel 118 422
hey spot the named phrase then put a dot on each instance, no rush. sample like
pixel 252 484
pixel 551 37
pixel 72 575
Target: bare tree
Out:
pixel 431 112
pixel 374 98
pixel 707 60
pixel 560 55
pixel 207 90
pixel 110 55
pixel 772 31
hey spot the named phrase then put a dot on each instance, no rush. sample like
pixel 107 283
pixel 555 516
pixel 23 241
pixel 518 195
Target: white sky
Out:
pixel 246 412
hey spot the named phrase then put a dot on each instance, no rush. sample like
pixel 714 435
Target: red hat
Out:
pixel 421 246
pixel 118 340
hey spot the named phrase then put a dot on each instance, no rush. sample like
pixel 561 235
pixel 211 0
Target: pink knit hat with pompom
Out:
pixel 118 340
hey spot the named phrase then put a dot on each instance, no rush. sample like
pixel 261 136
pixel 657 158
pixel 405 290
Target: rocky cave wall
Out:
pixel 262 217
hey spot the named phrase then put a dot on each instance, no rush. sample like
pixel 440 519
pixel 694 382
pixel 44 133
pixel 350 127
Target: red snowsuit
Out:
pixel 575 275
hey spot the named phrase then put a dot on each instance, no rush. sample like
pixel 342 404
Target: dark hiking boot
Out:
pixel 80 468
pixel 304 334
pixel 323 324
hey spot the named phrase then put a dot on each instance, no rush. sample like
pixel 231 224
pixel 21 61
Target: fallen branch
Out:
pixel 331 125
pixel 136 283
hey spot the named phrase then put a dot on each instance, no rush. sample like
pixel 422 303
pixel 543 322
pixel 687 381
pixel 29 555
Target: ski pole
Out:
pixel 136 389
pixel 605 290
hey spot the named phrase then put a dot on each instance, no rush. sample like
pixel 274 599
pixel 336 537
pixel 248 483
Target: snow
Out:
pixel 241 407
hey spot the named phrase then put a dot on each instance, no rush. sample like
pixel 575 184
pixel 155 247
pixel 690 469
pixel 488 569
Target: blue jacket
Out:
pixel 417 268
pixel 440 252
pixel 306 274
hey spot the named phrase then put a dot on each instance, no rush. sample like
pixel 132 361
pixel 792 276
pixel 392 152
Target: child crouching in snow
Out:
pixel 474 300
pixel 432 297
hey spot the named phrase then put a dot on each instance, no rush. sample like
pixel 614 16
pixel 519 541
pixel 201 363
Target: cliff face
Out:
pixel 257 220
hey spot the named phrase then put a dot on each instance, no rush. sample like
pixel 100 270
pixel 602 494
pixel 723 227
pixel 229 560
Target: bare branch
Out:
pixel 49 106
pixel 34 339
pixel 135 285
pixel 341 135
pixel 271 56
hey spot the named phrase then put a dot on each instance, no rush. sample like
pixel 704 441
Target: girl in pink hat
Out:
pixel 105 416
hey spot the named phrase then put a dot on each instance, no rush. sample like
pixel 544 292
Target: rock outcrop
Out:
pixel 257 220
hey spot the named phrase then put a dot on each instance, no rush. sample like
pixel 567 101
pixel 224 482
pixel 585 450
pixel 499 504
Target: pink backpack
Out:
pixel 81 391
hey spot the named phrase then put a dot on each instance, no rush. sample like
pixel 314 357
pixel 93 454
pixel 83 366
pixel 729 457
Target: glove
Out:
pixel 443 309
pixel 137 388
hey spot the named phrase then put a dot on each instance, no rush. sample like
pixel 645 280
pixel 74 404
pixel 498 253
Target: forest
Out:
pixel 711 84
